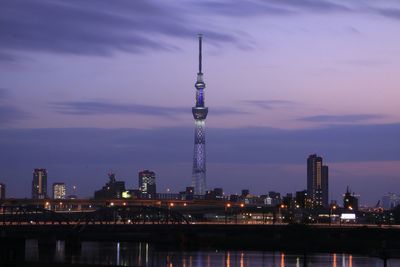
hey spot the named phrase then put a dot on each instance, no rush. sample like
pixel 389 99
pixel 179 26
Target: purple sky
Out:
pixel 87 87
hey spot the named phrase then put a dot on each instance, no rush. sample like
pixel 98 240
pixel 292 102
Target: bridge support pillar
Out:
pixel 47 247
pixel 73 244
pixel 12 249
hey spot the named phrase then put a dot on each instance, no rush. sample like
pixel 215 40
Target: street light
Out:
pixel 228 205
pixel 169 210
pixel 330 213
pixel 241 205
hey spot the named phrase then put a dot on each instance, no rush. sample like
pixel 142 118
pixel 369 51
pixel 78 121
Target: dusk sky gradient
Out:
pixel 92 86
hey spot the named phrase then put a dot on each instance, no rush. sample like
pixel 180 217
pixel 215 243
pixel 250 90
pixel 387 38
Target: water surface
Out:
pixel 145 254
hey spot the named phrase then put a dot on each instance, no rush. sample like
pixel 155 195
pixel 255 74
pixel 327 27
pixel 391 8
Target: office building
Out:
pixel 2 191
pixel 216 194
pixel 317 181
pixel 59 191
pixel 188 194
pixel 274 198
pixel 350 200
pixel 112 189
pixel 288 201
pixel 390 201
pixel 302 200
pixel 39 184
pixel 147 184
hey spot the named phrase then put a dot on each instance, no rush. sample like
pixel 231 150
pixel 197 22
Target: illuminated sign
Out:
pixel 348 216
pixel 126 194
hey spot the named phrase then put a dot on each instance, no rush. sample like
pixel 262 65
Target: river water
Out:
pixel 145 254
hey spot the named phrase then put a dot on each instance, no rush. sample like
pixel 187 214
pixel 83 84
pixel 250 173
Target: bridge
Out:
pixel 168 227
pixel 34 215
pixel 177 223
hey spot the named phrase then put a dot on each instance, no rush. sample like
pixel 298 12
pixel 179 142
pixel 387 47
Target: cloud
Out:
pixel 227 111
pixel 83 156
pixel 89 28
pixel 239 8
pixel 393 13
pixel 102 108
pixel 9 113
pixel 366 62
pixel 242 8
pixel 3 93
pixel 7 57
pixel 351 118
pixel 101 29
pixel 270 104
pixel 340 143
pixel 313 5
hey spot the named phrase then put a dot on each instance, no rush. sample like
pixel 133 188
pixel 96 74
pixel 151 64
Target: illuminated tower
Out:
pixel 199 114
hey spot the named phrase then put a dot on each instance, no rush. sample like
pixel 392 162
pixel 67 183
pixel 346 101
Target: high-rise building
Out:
pixel 59 191
pixel 216 194
pixel 288 201
pixel 325 186
pixel 39 184
pixel 112 189
pixel 317 181
pixel 350 200
pixel 147 184
pixel 2 191
pixel 301 199
pixel 199 114
pixel 275 198
pixel 390 201
pixel 187 194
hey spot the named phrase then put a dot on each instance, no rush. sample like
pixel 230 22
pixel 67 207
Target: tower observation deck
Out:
pixel 199 114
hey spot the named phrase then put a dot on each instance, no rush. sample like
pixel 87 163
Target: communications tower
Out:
pixel 199 115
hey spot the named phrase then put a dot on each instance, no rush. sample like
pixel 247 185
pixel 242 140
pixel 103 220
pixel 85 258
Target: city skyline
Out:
pixel 283 87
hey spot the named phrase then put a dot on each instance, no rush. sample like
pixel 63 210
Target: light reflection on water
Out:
pixel 145 254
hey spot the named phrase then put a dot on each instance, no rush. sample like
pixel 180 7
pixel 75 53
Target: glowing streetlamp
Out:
pixel 227 206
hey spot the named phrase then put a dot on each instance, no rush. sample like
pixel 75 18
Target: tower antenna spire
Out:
pixel 200 48
pixel 199 112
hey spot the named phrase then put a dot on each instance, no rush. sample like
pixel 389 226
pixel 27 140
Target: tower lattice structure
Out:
pixel 199 115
